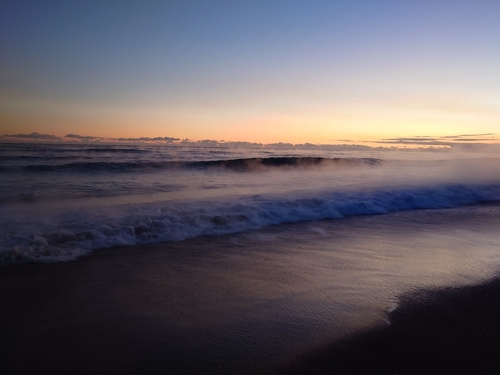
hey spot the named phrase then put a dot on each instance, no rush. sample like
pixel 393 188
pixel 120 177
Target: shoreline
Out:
pixel 434 331
pixel 235 304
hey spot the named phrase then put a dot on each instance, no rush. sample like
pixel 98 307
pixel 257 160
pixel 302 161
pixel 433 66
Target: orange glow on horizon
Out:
pixel 357 122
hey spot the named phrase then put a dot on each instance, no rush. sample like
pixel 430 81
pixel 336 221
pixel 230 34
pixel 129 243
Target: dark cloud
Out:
pixel 463 141
pixel 82 137
pixel 447 140
pixel 241 144
pixel 468 135
pixel 33 135
pixel 475 139
pixel 87 138
pixel 141 139
pixel 410 142
pixel 411 139
pixel 145 139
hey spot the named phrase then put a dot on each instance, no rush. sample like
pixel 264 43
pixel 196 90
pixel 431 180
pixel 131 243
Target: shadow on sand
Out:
pixel 440 331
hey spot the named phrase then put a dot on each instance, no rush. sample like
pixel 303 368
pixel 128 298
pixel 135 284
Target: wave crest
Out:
pixel 72 234
pixel 239 165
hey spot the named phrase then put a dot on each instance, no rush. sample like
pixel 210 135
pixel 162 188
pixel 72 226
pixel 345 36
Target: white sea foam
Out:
pixel 65 235
pixel 393 307
pixel 59 202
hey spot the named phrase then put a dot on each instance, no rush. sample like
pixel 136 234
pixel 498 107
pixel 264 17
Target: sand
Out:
pixel 435 331
pixel 255 302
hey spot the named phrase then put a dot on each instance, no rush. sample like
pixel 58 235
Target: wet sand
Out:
pixel 435 331
pixel 250 302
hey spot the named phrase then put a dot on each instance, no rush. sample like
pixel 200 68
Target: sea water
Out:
pixel 62 201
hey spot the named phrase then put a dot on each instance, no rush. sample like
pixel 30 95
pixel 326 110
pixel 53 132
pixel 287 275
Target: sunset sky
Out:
pixel 259 71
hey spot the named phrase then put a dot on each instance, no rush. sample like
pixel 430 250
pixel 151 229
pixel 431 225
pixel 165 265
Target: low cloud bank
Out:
pixel 447 140
pixel 488 142
pixel 76 138
pixel 33 136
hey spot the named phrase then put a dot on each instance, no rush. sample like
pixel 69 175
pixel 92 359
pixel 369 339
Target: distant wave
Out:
pixel 44 158
pixel 69 235
pixel 282 162
pixel 240 165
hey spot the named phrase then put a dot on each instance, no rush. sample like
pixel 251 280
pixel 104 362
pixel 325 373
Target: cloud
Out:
pixel 33 135
pixel 468 135
pixel 86 138
pixel 448 140
pixel 77 138
pixel 146 139
pixel 121 139
pixel 413 141
pixel 82 137
pixel 472 142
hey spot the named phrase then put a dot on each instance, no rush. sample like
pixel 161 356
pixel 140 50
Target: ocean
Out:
pixel 130 259
pixel 62 201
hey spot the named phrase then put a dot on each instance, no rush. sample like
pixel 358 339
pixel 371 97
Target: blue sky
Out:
pixel 266 71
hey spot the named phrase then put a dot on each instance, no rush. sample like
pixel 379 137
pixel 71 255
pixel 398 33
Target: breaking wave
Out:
pixel 67 235
pixel 240 165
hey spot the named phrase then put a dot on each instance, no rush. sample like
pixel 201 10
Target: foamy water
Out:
pixel 59 202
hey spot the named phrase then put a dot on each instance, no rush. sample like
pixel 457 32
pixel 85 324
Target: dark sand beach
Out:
pixel 435 331
pixel 312 297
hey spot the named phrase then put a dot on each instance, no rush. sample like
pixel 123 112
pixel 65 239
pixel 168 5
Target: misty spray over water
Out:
pixel 64 201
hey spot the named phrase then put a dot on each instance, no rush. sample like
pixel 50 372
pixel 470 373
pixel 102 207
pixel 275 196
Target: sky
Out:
pixel 258 71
